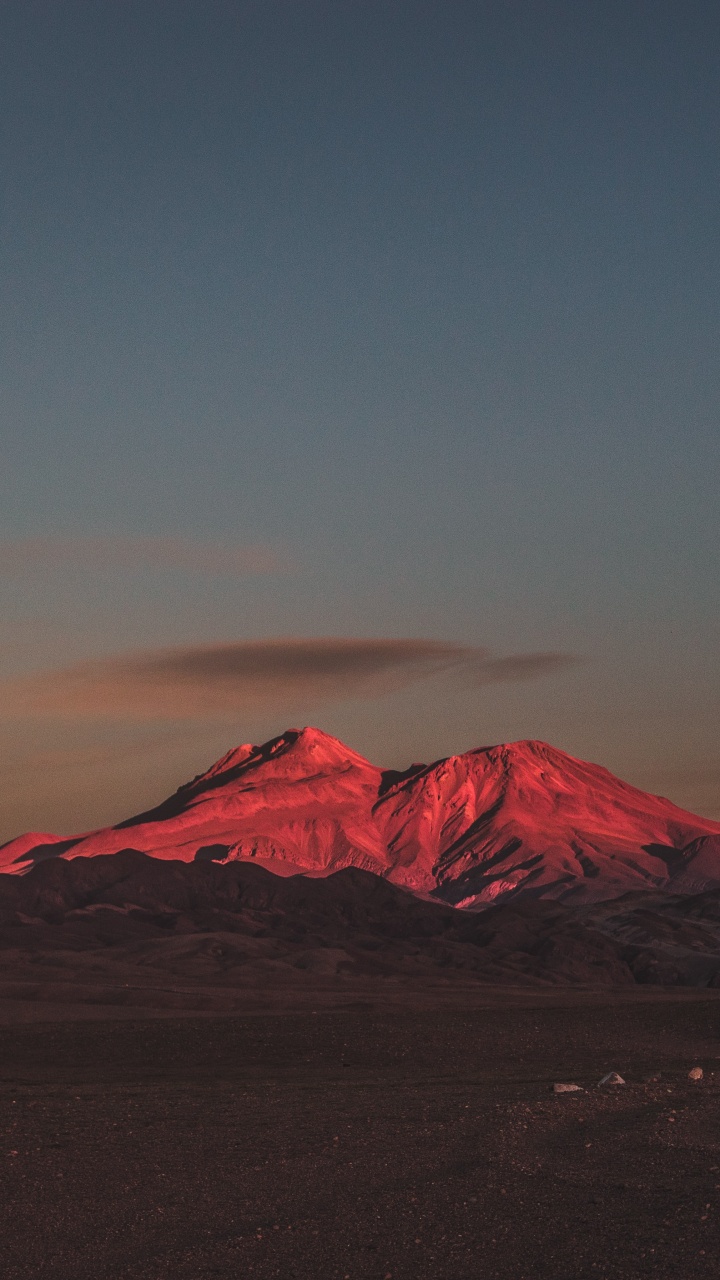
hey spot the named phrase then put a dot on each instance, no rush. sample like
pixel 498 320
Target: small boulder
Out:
pixel 695 1074
pixel 612 1077
pixel 567 1088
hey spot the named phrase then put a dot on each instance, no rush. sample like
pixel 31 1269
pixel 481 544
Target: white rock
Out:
pixel 612 1077
pixel 695 1074
pixel 567 1088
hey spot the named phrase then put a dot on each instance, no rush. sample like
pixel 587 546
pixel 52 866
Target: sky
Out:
pixel 358 367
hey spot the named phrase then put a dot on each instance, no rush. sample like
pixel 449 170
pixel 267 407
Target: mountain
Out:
pixel 517 820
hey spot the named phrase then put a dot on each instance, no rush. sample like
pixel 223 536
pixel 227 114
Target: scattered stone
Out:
pixel 652 1079
pixel 567 1088
pixel 695 1074
pixel 612 1077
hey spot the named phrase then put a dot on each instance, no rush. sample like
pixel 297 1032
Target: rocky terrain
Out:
pixel 421 1144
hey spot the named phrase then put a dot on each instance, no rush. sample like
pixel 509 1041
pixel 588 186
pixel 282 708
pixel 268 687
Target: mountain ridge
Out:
pixel 508 820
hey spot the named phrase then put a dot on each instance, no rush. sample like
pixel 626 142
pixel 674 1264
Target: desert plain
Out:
pixel 363 1134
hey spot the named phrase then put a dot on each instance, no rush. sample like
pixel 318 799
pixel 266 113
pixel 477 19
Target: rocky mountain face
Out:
pixel 519 820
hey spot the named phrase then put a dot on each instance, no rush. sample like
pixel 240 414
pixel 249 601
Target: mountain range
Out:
pixel 518 820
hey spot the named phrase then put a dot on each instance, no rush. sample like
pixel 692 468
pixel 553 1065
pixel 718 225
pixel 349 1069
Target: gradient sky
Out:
pixel 379 321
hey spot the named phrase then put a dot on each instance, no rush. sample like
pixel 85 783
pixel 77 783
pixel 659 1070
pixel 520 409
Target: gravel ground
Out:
pixel 360 1144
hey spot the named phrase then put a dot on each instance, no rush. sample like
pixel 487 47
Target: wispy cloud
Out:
pixel 22 555
pixel 224 679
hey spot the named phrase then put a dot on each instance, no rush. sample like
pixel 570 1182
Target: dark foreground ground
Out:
pixel 361 1144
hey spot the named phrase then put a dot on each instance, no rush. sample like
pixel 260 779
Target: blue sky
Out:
pixel 421 301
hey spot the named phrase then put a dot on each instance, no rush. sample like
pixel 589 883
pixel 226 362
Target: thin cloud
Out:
pixel 224 680
pixel 523 666
pixel 19 556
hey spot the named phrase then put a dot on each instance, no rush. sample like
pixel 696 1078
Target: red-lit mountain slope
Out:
pixel 522 818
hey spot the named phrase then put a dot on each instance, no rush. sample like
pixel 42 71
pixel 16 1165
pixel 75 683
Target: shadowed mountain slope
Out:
pixel 132 929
